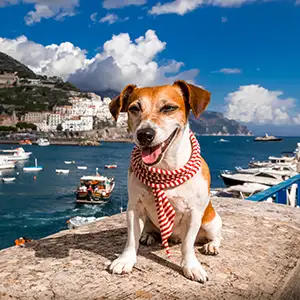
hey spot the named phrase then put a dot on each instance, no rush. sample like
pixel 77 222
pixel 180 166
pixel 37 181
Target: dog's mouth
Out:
pixel 153 155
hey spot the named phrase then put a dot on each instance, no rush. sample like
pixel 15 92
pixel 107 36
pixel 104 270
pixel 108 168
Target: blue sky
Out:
pixel 247 52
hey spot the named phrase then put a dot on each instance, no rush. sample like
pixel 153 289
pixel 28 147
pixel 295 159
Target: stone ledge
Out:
pixel 258 260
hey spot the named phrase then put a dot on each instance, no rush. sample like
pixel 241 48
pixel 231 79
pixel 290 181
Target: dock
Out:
pixel 259 259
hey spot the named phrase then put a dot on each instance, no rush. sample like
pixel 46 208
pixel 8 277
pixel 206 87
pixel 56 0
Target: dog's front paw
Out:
pixel 194 271
pixel 210 248
pixel 122 264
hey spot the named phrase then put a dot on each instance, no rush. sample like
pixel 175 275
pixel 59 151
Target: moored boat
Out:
pixel 6 164
pixel 34 168
pixel 43 142
pixel 78 221
pixel 62 171
pixel 94 189
pixel 18 154
pixel 25 142
pixel 8 179
pixel 110 166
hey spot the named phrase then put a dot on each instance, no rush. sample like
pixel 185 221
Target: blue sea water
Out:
pixel 38 207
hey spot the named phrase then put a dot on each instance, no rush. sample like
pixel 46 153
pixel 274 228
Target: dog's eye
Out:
pixel 134 109
pixel 168 108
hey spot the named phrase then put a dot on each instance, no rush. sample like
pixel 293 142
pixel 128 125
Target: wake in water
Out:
pixel 222 141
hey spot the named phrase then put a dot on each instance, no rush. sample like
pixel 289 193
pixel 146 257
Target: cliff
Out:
pixel 259 259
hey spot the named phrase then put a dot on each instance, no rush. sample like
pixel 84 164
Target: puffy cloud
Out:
pixel 109 18
pixel 108 4
pixel 255 104
pixel 122 61
pixel 182 7
pixel 229 71
pixel 46 9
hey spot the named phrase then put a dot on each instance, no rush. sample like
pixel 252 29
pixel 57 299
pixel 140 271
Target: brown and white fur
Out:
pixel 165 109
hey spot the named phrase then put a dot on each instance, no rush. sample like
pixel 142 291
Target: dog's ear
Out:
pixel 196 97
pixel 120 103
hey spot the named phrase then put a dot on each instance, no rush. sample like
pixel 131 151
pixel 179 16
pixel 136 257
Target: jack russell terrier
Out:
pixel 168 180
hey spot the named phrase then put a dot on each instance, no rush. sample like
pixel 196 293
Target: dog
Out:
pixel 158 120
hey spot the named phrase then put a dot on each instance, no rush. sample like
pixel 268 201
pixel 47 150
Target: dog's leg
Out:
pixel 191 267
pixel 135 223
pixel 150 234
pixel 213 234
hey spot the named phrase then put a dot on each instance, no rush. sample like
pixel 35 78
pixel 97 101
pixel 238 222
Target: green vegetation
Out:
pixel 8 129
pixel 23 125
pixel 31 98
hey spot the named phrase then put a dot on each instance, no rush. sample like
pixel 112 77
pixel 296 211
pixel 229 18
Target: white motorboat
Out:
pixel 81 167
pixel 261 178
pixel 8 179
pixel 79 221
pixel 34 168
pixel 43 142
pixel 18 154
pixel 68 162
pixel 62 171
pixel 6 164
pixel 246 190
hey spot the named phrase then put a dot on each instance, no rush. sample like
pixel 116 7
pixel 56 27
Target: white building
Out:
pixel 78 124
pixel 54 120
pixel 35 117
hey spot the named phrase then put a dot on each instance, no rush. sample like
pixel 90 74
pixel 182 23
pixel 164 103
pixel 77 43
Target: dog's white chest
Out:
pixel 183 198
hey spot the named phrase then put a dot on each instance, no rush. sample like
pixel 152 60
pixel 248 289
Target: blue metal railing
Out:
pixel 280 190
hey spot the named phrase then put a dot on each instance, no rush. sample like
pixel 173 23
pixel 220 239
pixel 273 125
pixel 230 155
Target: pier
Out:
pixel 259 259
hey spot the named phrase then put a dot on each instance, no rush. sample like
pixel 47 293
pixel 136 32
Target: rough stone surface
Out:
pixel 258 260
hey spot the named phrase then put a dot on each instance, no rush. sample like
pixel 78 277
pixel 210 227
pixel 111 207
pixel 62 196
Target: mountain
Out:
pixel 10 65
pixel 211 122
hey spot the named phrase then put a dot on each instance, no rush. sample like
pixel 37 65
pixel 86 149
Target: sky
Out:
pixel 245 52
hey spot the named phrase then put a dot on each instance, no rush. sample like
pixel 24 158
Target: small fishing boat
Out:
pixel 110 166
pixel 67 162
pixel 81 167
pixel 43 142
pixel 8 179
pixel 78 221
pixel 94 189
pixel 34 168
pixel 62 171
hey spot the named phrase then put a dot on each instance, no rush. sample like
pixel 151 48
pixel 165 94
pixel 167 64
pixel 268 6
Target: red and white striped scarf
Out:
pixel 159 180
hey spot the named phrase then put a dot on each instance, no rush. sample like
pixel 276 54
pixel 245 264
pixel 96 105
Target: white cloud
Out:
pixel 255 104
pixel 109 18
pixel 182 7
pixel 93 17
pixel 224 19
pixel 46 9
pixel 122 61
pixel 108 4
pixel 229 71
pixel 298 2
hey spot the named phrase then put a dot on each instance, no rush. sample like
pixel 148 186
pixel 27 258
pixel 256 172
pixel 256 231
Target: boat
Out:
pixel 43 142
pixel 8 179
pixel 94 189
pixel 62 171
pixel 18 154
pixel 110 166
pixel 67 162
pixel 222 141
pixel 267 138
pixel 34 168
pixel 78 221
pixel 6 164
pixel 25 142
pixel 81 167
pixel 230 178
pixel 245 190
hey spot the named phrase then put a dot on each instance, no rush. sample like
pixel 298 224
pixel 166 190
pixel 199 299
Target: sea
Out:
pixel 39 204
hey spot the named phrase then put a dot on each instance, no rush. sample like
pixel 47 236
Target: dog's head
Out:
pixel 158 115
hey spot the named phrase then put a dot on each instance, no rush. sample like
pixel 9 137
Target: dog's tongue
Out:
pixel 151 154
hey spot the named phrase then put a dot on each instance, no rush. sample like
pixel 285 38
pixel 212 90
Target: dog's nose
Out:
pixel 145 136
